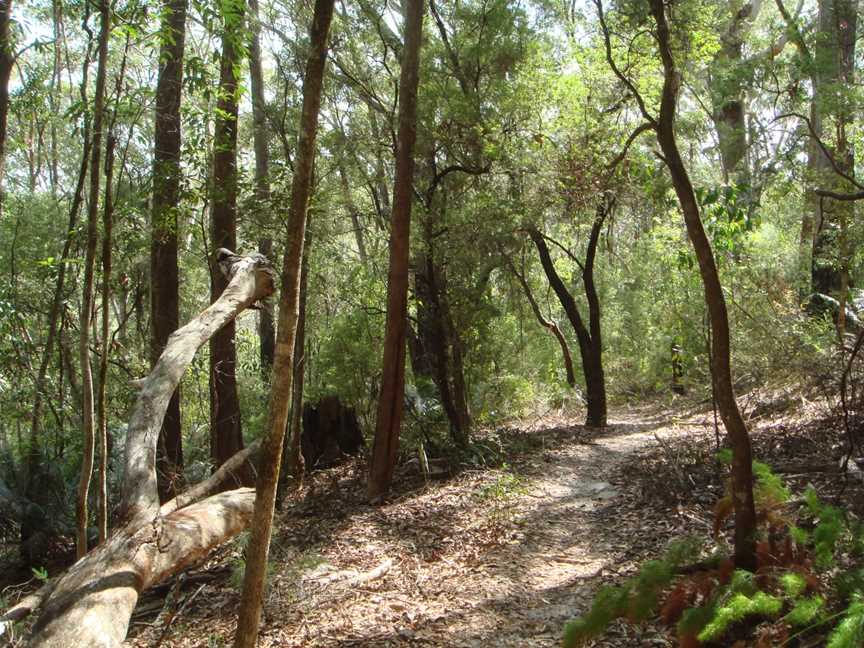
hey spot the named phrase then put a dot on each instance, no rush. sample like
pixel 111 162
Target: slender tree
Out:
pixel 546 322
pixel 391 399
pixel 226 434
pixel 589 337
pixel 164 267
pixel 834 75
pixel 289 305
pixel 87 406
pixel 7 60
pixel 266 328
pixel 742 469
pixel 293 452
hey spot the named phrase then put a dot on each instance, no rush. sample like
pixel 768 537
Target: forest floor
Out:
pixel 499 556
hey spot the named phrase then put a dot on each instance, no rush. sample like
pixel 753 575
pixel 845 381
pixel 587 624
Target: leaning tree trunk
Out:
pixel 87 406
pixel 588 337
pixel 289 306
pixel 226 436
pixel 92 603
pixel 164 266
pixel 391 399
pixel 742 471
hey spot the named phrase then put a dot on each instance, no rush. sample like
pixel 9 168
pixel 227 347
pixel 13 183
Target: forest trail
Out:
pixel 492 557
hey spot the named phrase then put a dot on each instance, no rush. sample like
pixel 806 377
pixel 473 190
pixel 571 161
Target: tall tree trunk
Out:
pixel 226 436
pixel 742 475
pixel 164 266
pixel 434 334
pixel 87 406
pixel 391 399
pixel 380 192
pixel 7 60
pixel 728 87
pixel 105 341
pixel 105 337
pixel 55 313
pixel 54 97
pixel 266 327
pixel 289 306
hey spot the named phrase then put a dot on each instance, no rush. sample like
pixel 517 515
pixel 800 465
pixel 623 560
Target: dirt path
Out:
pixel 495 557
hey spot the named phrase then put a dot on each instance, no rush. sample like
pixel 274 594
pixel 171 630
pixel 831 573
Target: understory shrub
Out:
pixel 796 590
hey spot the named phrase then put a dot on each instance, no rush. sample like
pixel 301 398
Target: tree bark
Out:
pixel 164 266
pixel 7 60
pixel 589 337
pixel 226 436
pixel 91 604
pixel 87 406
pixel 728 87
pixel 295 464
pixel 105 342
pixel 434 332
pixel 391 399
pixel 289 305
pixel 248 284
pixel 742 470
pixel 266 325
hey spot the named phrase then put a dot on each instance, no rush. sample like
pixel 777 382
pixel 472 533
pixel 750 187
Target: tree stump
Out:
pixel 330 431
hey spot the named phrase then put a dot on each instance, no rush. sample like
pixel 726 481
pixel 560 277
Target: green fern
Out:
pixel 793 584
pixel 850 632
pixel 829 530
pixel 806 611
pixel 637 598
pixel 694 619
pixel 799 535
pixel 737 608
pixel 769 486
pixel 610 603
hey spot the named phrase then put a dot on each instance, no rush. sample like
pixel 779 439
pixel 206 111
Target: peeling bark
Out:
pixel 91 604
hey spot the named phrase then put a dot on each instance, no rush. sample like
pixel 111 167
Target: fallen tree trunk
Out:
pixel 91 604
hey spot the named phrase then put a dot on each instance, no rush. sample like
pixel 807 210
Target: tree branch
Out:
pixel 618 73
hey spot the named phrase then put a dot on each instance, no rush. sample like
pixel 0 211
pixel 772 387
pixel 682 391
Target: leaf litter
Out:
pixel 498 556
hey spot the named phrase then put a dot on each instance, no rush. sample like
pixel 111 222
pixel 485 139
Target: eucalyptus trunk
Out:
pixel 226 436
pixel 289 307
pixel 391 399
pixel 7 61
pixel 164 239
pixel 742 469
pixel 590 337
pixel 266 325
